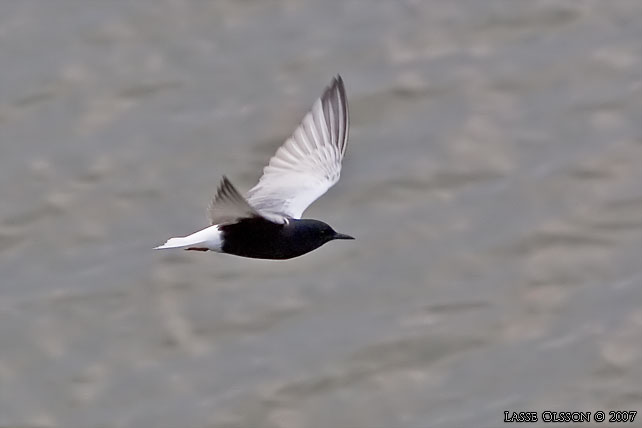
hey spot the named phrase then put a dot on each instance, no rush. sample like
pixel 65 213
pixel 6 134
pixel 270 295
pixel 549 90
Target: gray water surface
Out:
pixel 493 181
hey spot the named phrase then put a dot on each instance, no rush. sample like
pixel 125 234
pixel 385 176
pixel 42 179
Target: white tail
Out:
pixel 206 239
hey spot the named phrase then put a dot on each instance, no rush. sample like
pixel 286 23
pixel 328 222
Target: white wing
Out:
pixel 309 162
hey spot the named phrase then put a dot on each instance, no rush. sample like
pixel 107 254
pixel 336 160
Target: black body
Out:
pixel 259 238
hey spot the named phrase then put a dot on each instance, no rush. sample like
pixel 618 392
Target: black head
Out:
pixel 316 231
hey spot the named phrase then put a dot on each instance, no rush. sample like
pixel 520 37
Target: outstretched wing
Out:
pixel 229 205
pixel 309 162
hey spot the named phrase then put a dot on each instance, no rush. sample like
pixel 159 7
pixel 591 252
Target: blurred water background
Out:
pixel 493 181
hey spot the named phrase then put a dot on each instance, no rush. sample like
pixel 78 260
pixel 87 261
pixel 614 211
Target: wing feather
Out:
pixel 309 162
pixel 229 205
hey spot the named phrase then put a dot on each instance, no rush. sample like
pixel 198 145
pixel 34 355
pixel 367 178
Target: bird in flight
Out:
pixel 267 223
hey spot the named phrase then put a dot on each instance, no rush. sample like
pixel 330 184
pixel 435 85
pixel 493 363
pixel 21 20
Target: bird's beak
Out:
pixel 342 236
